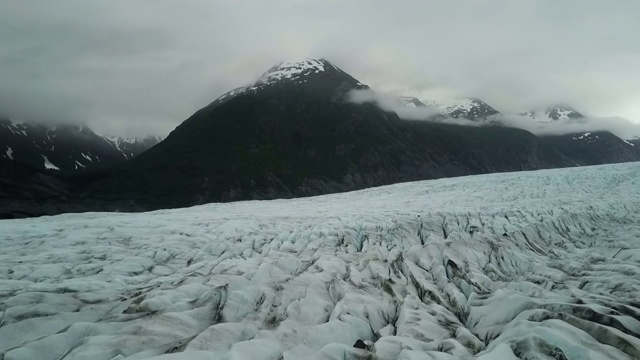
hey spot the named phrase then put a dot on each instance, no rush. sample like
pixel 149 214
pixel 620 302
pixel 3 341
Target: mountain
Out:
pixel 592 148
pixel 635 142
pixel 131 147
pixel 537 265
pixel 469 108
pixel 294 133
pixel 585 148
pixel 65 148
pixel 410 101
pixel 553 113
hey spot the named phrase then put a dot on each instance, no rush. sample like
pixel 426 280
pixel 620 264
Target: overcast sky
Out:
pixel 136 67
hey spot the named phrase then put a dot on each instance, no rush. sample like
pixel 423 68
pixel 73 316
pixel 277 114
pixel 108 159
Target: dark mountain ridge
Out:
pixel 66 148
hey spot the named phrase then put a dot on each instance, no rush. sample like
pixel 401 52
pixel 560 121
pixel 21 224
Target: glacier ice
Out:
pixel 530 265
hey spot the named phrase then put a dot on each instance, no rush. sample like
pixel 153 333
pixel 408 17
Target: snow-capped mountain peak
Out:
pixel 300 72
pixel 563 113
pixel 468 108
pixel 293 70
pixel 553 113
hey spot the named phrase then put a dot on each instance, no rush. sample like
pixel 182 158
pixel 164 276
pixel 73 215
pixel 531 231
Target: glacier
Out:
pixel 527 265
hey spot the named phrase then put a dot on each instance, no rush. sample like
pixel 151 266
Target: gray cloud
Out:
pixel 144 66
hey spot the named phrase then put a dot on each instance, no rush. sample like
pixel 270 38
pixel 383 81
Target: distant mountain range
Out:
pixel 67 148
pixel 474 109
pixel 587 147
pixel 293 132
pixel 469 108
pixel 558 112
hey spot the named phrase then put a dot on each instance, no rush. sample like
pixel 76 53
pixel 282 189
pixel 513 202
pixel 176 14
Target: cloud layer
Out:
pixel 620 127
pixel 144 66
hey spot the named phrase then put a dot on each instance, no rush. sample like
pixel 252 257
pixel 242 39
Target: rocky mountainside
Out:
pixel 131 147
pixel 592 148
pixel 588 148
pixel 66 148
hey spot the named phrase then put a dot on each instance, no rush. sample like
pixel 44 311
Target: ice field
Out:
pixel 529 265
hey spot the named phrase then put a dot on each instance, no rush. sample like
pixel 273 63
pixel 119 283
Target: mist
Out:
pixel 620 127
pixel 389 102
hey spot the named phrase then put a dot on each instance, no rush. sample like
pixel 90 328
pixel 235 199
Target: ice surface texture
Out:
pixel 532 265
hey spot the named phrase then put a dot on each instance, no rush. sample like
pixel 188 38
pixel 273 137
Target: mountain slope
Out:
pixel 587 148
pixel 292 133
pixel 592 148
pixel 66 148
pixel 131 147
pixel 529 265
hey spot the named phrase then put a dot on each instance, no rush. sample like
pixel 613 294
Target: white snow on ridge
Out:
pixel 463 105
pixel 9 152
pixel 289 70
pixel 583 135
pixel 533 264
pixel 292 70
pixel 48 164
pixel 588 137
pixel 539 116
pixel 563 114
pixel 544 116
pixel 448 106
pixel 15 128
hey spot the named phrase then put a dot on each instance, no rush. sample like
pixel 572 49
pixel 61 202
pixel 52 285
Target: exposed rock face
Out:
pixel 67 148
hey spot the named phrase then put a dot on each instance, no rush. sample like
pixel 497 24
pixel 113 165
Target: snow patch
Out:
pixel 48 164
pixel 9 152
pixel 588 137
